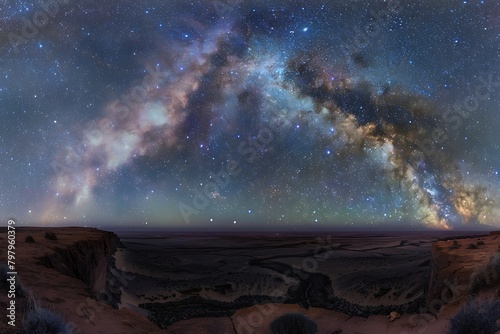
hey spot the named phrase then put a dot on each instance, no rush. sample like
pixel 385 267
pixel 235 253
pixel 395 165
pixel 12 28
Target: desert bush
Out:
pixel 486 276
pixel 455 245
pixel 39 320
pixel 478 282
pixel 472 246
pixel 29 239
pixel 293 323
pixel 43 321
pixel 476 317
pixel 50 236
pixel 480 243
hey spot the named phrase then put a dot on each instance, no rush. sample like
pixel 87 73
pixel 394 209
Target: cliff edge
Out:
pixel 72 274
pixel 453 264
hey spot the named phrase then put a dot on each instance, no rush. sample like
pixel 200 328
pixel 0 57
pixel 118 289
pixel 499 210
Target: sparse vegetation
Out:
pixel 50 236
pixel 455 245
pixel 29 239
pixel 43 321
pixel 472 246
pixel 487 276
pixel 293 323
pixel 164 314
pixel 480 243
pixel 476 317
pixel 39 320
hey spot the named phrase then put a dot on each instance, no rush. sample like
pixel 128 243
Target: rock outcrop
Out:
pixel 88 260
pixel 452 264
pixel 67 275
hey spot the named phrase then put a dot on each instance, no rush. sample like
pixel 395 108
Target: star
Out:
pixel 323 116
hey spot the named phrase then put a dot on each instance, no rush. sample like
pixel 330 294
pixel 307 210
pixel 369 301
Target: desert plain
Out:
pixel 237 283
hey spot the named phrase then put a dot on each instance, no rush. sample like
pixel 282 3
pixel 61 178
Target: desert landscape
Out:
pixel 140 282
pixel 250 167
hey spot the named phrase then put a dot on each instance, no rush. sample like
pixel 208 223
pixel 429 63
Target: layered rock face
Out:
pixel 453 262
pixel 71 276
pixel 87 260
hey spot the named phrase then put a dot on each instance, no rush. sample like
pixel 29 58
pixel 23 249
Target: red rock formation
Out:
pixel 452 264
pixel 86 260
pixel 77 266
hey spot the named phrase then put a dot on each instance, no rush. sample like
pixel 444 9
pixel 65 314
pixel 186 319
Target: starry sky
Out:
pixel 251 114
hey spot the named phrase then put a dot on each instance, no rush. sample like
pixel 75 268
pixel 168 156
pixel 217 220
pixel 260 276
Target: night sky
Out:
pixel 251 115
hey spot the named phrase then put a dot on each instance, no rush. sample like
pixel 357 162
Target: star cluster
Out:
pixel 251 114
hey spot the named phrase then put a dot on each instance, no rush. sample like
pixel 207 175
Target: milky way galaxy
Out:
pixel 252 114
